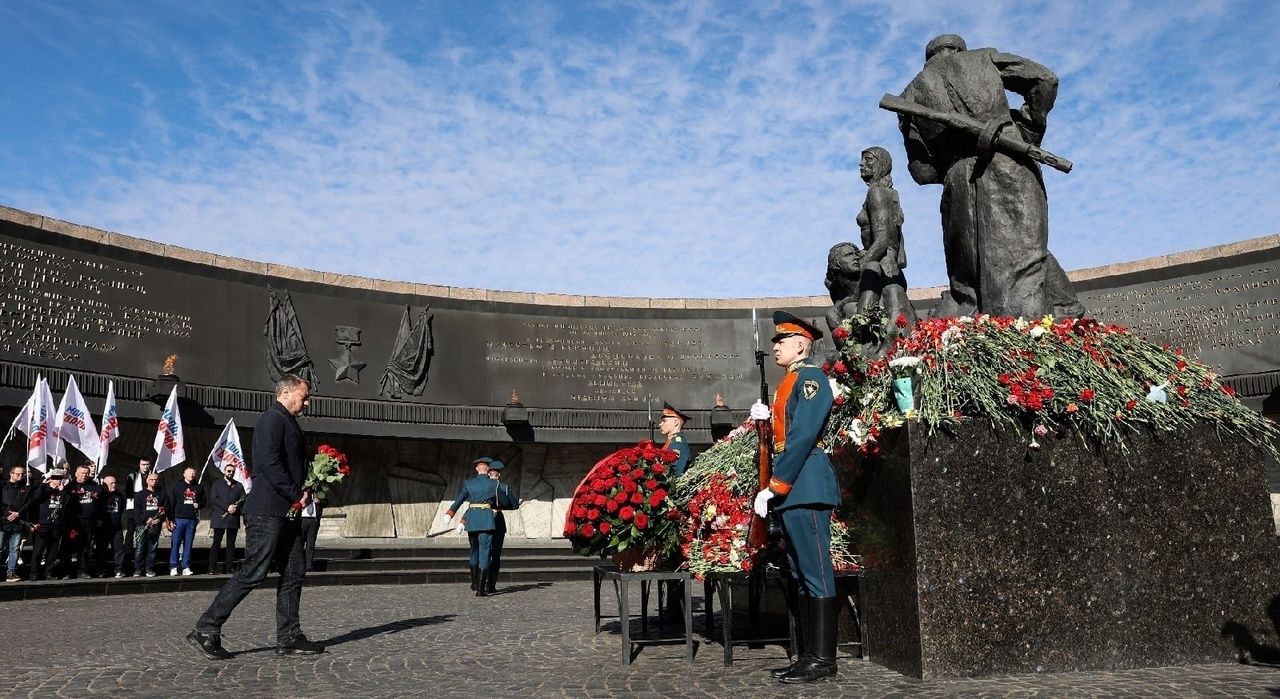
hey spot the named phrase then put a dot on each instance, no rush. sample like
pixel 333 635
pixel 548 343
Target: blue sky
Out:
pixel 621 148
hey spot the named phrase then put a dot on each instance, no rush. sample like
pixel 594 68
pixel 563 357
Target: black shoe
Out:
pixel 493 580
pixel 822 643
pixel 209 645
pixel 801 651
pixel 300 645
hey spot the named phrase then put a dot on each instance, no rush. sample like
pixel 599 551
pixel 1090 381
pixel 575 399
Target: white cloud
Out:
pixel 699 150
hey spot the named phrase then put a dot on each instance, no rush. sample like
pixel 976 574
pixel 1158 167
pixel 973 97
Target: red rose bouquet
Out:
pixel 328 468
pixel 622 505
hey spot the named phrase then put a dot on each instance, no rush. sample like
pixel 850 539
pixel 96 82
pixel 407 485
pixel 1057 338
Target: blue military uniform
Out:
pixel 479 491
pixel 805 493
pixel 503 499
pixel 676 442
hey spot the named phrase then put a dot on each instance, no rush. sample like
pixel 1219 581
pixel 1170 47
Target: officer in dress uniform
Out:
pixel 672 422
pixel 503 499
pixel 479 491
pixel 803 491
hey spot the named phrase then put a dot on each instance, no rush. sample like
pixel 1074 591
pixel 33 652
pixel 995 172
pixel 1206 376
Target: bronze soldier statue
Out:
pixel 995 215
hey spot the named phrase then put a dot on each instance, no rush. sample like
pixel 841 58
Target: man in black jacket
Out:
pixel 279 470
pixel 86 496
pixel 13 495
pixel 48 506
pixel 109 537
pixel 226 496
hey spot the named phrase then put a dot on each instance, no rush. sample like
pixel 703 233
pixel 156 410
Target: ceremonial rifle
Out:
pixel 990 134
pixel 758 534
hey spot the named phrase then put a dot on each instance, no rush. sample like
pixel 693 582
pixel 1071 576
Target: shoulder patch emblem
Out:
pixel 810 389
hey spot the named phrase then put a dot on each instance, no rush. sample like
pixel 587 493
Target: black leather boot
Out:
pixel 493 578
pixel 800 609
pixel 475 577
pixel 482 588
pixel 822 642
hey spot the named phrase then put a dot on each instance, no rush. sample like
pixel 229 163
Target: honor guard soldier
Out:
pixel 479 490
pixel 803 491
pixel 503 499
pixel 672 422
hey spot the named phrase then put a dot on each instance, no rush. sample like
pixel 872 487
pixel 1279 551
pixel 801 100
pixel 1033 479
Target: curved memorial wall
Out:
pixel 415 380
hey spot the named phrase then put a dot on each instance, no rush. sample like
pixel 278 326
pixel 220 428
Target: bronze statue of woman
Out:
pixel 884 252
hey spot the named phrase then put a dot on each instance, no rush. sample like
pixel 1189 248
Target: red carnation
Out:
pixel 568 529
pixel 840 368
pixel 673 514
pixel 1086 395
pixel 629 486
pixel 650 484
pixel 1131 404
pixel 587 530
pixel 1182 364
pixel 637 474
pixel 579 512
pixel 901 321
pixel 1229 390
pixel 840 333
pixel 626 513
pixel 642 520
pixel 656 499
pixel 839 400
pixel 605 528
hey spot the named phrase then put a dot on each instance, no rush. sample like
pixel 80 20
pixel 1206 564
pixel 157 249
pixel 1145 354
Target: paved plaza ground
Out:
pixel 533 640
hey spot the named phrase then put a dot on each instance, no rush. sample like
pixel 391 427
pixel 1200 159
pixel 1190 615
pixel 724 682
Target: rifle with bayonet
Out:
pixel 758 534
pixel 990 135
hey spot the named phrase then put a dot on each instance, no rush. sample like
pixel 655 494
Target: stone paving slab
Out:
pixel 533 640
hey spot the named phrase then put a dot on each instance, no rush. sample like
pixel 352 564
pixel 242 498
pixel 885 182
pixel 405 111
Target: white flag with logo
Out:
pixel 169 445
pixel 75 424
pixel 226 452
pixel 37 423
pixel 110 426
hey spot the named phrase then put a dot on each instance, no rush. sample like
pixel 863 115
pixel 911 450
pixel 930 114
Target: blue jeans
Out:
pixel 267 538
pixel 184 532
pixel 11 542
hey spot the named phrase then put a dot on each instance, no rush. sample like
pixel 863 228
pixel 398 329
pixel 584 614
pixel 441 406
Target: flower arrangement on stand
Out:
pixel 622 508
pixel 717 492
pixel 328 468
pixel 1077 375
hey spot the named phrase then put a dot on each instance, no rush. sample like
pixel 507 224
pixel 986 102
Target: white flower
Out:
pixel 836 388
pixel 1037 330
pixel 1021 323
pixel 965 319
pixel 907 362
pixel 950 335
pixel 858 432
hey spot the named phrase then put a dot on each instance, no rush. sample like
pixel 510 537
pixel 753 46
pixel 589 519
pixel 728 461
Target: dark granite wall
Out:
pixel 1004 560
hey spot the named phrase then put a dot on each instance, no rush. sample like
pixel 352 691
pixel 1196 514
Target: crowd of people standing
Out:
pixel 80 526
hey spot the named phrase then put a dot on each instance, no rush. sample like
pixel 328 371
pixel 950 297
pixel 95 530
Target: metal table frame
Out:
pixel 622 588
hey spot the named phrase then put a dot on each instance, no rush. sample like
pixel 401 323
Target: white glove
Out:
pixel 759 411
pixel 762 500
pixel 444 517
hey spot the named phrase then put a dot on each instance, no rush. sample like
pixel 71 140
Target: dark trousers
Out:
pixel 481 548
pixel 80 538
pixel 499 536
pixel 216 549
pixel 808 534
pixel 144 547
pixel 130 531
pixel 310 529
pixel 266 539
pixel 46 543
pixel 109 541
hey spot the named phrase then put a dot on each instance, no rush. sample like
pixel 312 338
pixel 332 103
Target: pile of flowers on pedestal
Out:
pixel 1075 375
pixel 717 492
pixel 623 506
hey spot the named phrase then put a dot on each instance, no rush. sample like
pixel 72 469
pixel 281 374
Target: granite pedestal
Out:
pixel 998 559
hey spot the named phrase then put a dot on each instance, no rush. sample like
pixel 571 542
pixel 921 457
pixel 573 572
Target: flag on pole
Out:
pixel 74 423
pixel 226 452
pixel 37 423
pixel 169 447
pixel 110 426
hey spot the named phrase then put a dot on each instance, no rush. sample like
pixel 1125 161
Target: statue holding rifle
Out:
pixel 959 132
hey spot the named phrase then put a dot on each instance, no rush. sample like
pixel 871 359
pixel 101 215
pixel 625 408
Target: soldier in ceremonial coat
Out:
pixel 803 491
pixel 479 490
pixel 503 499
pixel 672 422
